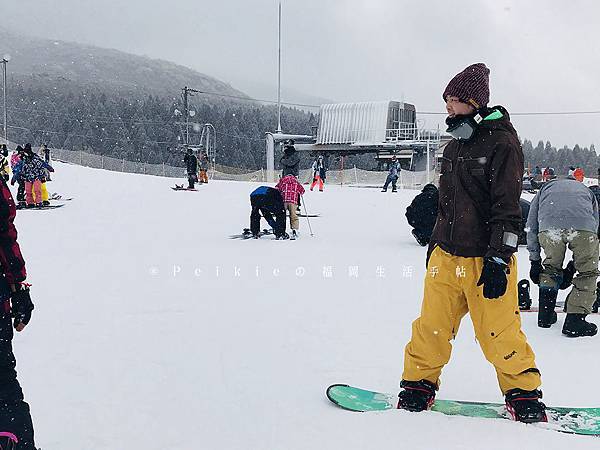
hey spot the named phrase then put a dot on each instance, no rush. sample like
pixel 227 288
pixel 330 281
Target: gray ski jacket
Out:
pixel 560 204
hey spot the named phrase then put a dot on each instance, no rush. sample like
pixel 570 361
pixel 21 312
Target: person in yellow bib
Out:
pixel 471 267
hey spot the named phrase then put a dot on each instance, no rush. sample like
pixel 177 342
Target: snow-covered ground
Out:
pixel 153 330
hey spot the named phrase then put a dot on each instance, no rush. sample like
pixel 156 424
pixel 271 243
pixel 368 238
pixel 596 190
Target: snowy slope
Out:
pixel 139 342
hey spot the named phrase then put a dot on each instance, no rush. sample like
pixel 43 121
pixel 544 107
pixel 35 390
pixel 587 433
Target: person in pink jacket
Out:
pixel 291 190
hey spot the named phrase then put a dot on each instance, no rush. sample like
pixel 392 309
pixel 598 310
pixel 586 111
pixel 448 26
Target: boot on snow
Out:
pixel 416 395
pixel 524 297
pixel 576 326
pixel 597 302
pixel 525 406
pixel 547 315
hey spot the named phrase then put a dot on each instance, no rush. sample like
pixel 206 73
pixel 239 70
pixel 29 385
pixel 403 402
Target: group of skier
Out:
pixel 30 171
pixel 274 203
pixel 196 167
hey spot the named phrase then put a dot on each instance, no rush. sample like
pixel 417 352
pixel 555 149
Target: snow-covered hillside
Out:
pixel 153 330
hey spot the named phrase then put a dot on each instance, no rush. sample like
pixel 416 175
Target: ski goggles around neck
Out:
pixel 462 128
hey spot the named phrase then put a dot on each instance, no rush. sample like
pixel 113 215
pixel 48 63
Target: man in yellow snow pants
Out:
pixel 451 291
pixel 471 266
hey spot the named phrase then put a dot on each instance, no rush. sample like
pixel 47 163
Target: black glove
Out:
pixel 493 278
pixel 535 271
pixel 21 306
pixel 567 275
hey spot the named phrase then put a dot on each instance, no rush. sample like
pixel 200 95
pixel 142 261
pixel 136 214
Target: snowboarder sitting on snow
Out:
pixel 564 213
pixel 422 212
pixel 290 159
pixel 191 165
pixel 471 266
pixel 269 202
pixel 392 175
pixel 291 190
pixel 15 311
pixel 32 170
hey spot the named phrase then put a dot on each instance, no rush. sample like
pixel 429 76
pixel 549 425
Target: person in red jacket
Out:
pixel 15 311
pixel 291 190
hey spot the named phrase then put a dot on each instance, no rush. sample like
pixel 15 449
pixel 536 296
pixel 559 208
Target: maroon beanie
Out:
pixel 472 86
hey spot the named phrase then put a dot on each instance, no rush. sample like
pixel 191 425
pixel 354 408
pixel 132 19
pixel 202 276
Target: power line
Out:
pixel 531 113
pixel 258 100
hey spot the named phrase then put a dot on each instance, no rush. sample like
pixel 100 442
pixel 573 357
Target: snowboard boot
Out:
pixel 525 406
pixel 294 235
pixel 524 297
pixel 394 190
pixel 546 315
pixel 576 326
pixel 384 190
pixel 416 395
pixel 282 237
pixel 46 203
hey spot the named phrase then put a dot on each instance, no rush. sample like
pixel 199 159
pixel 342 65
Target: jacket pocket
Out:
pixel 445 165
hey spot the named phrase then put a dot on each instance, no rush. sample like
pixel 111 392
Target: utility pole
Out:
pixel 187 92
pixel 5 59
pixel 279 76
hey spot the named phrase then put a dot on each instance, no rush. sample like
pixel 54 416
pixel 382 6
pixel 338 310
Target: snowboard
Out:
pixel 37 208
pixel 247 234
pixel 56 196
pixel 567 420
pixel 559 310
pixel 180 188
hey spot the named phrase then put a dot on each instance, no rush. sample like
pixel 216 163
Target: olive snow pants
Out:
pixel 450 292
pixel 584 245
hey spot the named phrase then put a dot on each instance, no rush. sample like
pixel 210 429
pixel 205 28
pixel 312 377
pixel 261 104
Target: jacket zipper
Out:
pixel 458 160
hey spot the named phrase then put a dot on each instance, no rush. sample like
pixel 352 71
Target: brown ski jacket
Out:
pixel 480 187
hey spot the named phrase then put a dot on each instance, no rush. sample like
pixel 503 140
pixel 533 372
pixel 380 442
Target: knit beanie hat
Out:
pixel 472 86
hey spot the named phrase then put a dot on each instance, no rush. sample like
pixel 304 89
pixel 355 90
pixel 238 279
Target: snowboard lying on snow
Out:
pixel 37 208
pixel 566 420
pixel 247 234
pixel 559 310
pixel 181 187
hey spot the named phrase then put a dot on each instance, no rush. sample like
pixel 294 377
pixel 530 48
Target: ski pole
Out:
pixel 306 214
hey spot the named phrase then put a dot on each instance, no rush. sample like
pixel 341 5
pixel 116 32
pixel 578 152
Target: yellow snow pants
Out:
pixel 450 292
pixel 45 195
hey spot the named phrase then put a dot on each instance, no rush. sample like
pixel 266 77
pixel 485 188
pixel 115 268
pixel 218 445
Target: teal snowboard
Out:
pixel 567 420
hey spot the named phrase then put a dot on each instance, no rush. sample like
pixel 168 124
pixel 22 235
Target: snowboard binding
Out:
pixel 8 441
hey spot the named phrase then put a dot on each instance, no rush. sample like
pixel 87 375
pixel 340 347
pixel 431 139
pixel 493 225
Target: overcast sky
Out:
pixel 543 54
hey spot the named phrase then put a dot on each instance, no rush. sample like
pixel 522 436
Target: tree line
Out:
pixel 545 155
pixel 149 128
pixel 146 128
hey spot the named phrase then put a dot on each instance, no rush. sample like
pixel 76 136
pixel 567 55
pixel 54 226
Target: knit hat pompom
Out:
pixel 471 86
